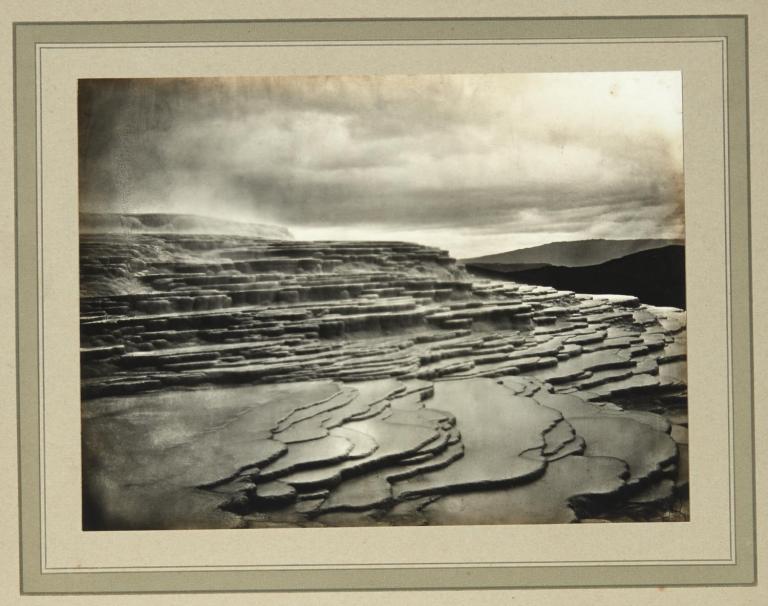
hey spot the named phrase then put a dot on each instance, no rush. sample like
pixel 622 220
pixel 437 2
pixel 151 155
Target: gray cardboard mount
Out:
pixel 29 538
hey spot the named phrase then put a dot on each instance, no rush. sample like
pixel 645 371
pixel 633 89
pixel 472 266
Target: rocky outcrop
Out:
pixel 234 381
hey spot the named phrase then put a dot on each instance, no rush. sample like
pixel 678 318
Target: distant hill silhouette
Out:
pixel 578 253
pixel 128 223
pixel 655 276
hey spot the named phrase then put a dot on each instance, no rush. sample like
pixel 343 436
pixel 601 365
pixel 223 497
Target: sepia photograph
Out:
pixel 384 300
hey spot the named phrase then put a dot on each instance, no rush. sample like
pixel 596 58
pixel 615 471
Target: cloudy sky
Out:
pixel 477 164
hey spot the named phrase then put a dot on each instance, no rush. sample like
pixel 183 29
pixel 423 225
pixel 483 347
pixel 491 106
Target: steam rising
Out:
pixel 476 164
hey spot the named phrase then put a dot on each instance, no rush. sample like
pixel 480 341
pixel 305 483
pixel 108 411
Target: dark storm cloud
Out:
pixel 463 162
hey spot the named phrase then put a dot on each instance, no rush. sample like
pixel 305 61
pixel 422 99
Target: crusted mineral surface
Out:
pixel 238 381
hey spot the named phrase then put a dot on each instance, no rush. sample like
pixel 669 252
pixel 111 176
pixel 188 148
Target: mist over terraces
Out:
pixel 234 380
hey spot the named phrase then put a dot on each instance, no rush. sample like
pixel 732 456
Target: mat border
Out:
pixel 27 36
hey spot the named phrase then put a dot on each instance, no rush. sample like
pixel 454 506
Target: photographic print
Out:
pixel 315 301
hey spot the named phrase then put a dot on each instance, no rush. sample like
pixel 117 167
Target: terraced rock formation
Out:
pixel 234 381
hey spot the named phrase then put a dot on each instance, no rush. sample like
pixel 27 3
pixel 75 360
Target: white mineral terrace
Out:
pixel 230 381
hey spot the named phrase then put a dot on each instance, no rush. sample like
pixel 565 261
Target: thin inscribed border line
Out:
pixel 41 372
pixel 326 20
pixel 277 43
pixel 728 293
pixel 402 565
pixel 40 302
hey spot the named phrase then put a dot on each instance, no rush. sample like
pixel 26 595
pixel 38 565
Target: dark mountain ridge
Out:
pixel 577 253
pixel 656 276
